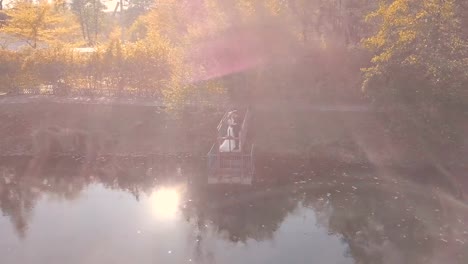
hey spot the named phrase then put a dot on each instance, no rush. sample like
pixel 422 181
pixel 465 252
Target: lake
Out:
pixel 160 210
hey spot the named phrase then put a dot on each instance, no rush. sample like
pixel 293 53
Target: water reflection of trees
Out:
pixel 237 213
pixel 16 202
pixel 23 183
pixel 241 213
pixel 382 220
pixel 388 221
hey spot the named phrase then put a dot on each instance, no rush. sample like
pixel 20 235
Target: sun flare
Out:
pixel 164 203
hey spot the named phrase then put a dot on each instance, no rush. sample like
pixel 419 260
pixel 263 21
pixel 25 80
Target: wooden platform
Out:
pixel 236 166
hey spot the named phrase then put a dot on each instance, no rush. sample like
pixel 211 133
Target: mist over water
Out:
pixel 233 131
pixel 160 209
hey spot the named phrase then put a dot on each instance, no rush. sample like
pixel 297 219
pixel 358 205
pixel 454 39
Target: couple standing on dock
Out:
pixel 233 122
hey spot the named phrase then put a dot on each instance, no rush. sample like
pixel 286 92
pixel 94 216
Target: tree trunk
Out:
pixel 96 20
pixel 82 24
pixel 87 33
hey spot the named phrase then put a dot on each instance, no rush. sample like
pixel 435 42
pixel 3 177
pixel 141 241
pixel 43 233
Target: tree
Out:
pixel 419 52
pixel 40 22
pixel 90 15
pixel 135 9
pixel 10 70
pixel 305 14
pixel 419 71
pixel 3 18
pixel 463 11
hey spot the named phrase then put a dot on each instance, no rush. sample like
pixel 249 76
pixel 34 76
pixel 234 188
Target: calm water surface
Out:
pixel 160 211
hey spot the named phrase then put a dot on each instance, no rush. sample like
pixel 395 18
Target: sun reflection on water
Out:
pixel 165 203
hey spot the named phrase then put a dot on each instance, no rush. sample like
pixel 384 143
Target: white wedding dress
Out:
pixel 228 145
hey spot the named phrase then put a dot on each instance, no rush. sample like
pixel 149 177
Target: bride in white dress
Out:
pixel 229 145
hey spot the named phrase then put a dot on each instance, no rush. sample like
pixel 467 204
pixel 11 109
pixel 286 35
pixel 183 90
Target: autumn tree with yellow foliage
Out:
pixel 420 52
pixel 419 71
pixel 303 42
pixel 40 23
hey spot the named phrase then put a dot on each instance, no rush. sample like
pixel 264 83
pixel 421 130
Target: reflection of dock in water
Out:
pixel 232 164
